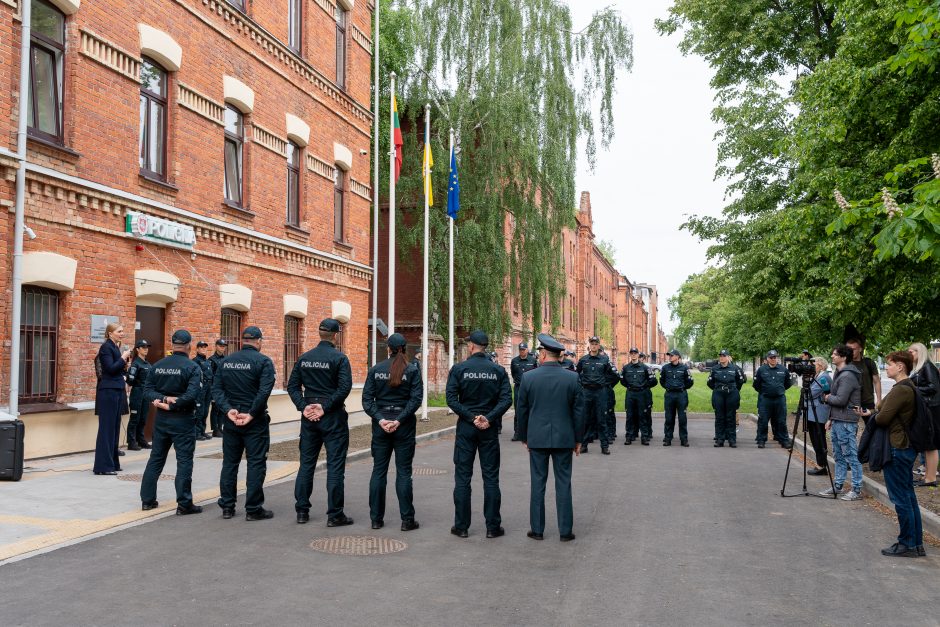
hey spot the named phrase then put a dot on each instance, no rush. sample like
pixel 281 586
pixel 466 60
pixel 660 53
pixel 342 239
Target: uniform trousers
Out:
pixel 595 411
pixel 202 412
pixel 175 431
pixel 639 405
pixel 675 403
pixel 332 432
pixel 217 418
pixel 468 441
pixel 726 403
pixel 253 440
pixel 538 469
pixel 138 420
pixel 402 443
pixel 772 410
pixel 611 416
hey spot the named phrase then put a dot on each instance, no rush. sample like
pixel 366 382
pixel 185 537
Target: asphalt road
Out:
pixel 675 536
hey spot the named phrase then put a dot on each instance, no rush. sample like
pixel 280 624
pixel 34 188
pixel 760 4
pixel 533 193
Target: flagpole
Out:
pixel 450 270
pixel 375 194
pixel 427 237
pixel 391 210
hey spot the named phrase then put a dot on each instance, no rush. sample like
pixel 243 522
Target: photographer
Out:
pixel 843 422
pixel 819 415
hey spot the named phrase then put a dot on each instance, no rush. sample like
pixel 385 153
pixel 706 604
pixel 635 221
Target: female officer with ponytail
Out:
pixel 391 396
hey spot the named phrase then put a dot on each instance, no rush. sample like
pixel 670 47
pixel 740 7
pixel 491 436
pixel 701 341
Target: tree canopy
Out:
pixel 520 87
pixel 815 97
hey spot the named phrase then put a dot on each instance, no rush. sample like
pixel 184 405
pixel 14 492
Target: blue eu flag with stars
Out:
pixel 453 188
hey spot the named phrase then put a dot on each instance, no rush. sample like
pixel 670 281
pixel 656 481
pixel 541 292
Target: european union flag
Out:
pixel 453 188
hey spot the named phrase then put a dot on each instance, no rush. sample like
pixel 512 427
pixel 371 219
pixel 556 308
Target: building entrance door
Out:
pixel 151 326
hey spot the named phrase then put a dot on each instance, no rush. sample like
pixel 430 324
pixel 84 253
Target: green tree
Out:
pixel 520 87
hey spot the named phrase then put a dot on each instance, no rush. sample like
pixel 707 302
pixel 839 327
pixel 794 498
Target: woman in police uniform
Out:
pixel 392 394
pixel 136 377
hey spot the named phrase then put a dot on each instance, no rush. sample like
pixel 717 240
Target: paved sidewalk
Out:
pixel 674 536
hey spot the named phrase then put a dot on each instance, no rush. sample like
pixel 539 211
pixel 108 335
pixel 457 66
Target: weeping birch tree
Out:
pixel 520 87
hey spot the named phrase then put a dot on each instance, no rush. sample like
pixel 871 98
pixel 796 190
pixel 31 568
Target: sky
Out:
pixel 660 167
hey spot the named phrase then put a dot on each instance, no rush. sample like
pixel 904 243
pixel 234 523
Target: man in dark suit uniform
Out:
pixel 550 411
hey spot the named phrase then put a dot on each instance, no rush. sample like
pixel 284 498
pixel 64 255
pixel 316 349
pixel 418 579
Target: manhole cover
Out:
pixel 428 472
pixel 357 545
pixel 139 478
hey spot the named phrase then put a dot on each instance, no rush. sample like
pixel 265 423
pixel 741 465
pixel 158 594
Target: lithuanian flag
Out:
pixel 397 139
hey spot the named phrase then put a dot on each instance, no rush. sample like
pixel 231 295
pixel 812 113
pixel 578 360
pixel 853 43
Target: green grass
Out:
pixel 700 397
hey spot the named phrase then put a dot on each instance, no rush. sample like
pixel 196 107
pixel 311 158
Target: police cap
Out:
pixel 674 352
pixel 200 344
pixel 479 338
pixel 523 346
pixel 724 353
pixel 329 325
pixel 181 337
pixel 251 333
pixel 396 340
pixel 772 353
pixel 221 342
pixel 594 339
pixel 141 344
pixel 549 343
pixel 634 350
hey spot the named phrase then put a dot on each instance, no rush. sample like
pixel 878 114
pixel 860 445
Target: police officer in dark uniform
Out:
pixel 202 406
pixel 173 387
pixel 391 395
pixel 725 381
pixel 610 413
pixel 551 420
pixel 771 382
pixel 595 375
pixel 565 360
pixel 478 392
pixel 318 386
pixel 241 389
pixel 520 364
pixel 675 377
pixel 639 379
pixel 216 417
pixel 140 409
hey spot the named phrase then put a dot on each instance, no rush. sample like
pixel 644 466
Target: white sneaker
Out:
pixel 830 491
pixel 851 496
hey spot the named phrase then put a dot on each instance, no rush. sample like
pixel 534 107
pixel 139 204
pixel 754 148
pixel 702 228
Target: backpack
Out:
pixel 920 431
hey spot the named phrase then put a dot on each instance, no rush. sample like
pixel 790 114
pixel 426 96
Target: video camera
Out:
pixel 801 366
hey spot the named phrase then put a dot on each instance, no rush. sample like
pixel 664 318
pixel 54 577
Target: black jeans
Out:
pixel 402 443
pixel 331 431
pixel 468 441
pixel 254 440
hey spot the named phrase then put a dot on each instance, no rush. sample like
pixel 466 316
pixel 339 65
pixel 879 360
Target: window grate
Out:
pixel 38 339
pixel 291 344
pixel 231 330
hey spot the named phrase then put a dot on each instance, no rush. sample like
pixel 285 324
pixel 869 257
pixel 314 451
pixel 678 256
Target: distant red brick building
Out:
pixel 192 163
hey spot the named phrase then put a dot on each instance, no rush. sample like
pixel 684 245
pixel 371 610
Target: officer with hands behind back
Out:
pixel 241 389
pixel 676 379
pixel 639 379
pixel 551 420
pixel 772 382
pixel 595 376
pixel 391 395
pixel 478 392
pixel 318 386
pixel 173 386
pixel 725 380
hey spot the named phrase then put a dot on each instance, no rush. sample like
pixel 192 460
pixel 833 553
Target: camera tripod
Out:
pixel 803 408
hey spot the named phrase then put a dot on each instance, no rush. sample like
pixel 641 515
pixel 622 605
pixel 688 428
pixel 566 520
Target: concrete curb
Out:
pixel 876 490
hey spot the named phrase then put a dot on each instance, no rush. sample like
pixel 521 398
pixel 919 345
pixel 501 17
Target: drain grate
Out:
pixel 428 472
pixel 357 545
pixel 139 478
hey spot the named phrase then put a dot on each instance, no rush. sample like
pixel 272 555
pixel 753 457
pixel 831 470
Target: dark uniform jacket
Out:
pixel 772 382
pixel 478 387
pixel 321 376
pixel 675 378
pixel 215 360
pixel 378 395
pixel 637 377
pixel 567 364
pixel 550 408
pixel 726 378
pixel 596 372
pixel 137 374
pixel 205 367
pixel 177 376
pixel 244 383
pixel 519 366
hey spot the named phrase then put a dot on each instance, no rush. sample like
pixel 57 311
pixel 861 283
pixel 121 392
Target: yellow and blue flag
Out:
pixel 453 188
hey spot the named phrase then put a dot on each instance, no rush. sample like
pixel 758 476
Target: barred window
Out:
pixel 39 329
pixel 231 330
pixel 291 344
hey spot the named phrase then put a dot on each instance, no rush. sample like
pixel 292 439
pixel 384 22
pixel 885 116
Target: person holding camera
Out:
pixel 140 409
pixel 819 415
pixel 844 398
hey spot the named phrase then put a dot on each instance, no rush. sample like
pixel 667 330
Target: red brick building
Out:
pixel 191 163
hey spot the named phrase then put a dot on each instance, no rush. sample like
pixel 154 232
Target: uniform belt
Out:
pixel 723 388
pixel 391 408
pixel 675 389
pixel 591 386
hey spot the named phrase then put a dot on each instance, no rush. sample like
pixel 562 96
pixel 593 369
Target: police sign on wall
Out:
pixel 159 230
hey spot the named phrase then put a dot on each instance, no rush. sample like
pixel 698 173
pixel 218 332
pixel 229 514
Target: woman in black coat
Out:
pixel 110 399
pixel 927 379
